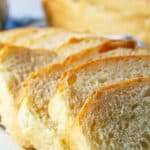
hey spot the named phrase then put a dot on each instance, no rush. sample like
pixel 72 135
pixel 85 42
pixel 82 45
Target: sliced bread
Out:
pixel 77 84
pixel 114 117
pixel 37 90
pixel 15 66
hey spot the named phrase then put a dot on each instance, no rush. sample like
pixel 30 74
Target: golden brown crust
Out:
pixel 96 96
pixel 113 44
pixel 102 61
pixel 106 46
pixel 86 37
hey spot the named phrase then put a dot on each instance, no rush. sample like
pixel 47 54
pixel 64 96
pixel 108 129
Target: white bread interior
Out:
pixel 114 117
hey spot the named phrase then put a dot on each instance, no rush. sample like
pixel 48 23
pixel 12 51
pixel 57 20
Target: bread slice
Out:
pixel 114 117
pixel 101 16
pixel 33 112
pixel 15 66
pixel 77 84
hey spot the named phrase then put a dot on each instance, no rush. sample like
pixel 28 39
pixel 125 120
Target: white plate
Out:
pixel 6 143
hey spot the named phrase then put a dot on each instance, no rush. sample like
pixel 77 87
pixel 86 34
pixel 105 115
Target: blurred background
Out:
pixel 124 18
pixel 21 13
pixel 23 8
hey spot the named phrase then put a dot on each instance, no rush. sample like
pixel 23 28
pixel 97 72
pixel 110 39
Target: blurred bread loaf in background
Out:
pixel 105 16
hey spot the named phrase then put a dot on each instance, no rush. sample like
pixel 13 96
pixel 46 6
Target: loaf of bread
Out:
pixel 130 17
pixel 48 74
pixel 36 91
pixel 114 117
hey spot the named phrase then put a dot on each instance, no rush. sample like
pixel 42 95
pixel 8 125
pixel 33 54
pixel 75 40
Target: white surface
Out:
pixel 25 8
pixel 6 142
